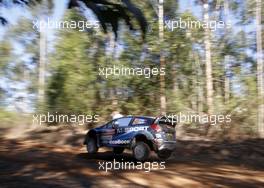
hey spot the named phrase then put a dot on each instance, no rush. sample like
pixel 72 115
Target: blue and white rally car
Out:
pixel 141 134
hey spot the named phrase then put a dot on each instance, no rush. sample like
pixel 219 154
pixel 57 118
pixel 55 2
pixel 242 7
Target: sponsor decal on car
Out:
pixel 130 129
pixel 119 141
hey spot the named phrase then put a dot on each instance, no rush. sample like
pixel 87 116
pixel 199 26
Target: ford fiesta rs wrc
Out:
pixel 141 134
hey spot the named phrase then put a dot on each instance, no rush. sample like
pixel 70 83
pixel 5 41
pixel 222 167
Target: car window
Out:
pixel 123 122
pixel 139 121
pixel 109 124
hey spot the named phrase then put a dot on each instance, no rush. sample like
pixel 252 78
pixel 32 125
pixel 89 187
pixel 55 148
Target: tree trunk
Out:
pixel 227 57
pixel 110 54
pixel 208 72
pixel 162 59
pixel 194 101
pixel 175 80
pixel 199 84
pixel 41 67
pixel 227 81
pixel 260 72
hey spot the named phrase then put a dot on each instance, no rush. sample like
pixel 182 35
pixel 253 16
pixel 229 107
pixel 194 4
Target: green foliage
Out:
pixel 71 85
pixel 5 55
pixel 75 86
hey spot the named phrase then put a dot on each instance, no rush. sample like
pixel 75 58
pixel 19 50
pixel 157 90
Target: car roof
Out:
pixel 149 117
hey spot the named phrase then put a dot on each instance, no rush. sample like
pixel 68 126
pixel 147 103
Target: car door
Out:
pixel 120 138
pixel 106 133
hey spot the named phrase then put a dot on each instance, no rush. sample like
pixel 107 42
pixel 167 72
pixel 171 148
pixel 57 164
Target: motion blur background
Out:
pixel 52 70
pixel 207 72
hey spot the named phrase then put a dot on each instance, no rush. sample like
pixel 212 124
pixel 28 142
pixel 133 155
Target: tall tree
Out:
pixel 260 69
pixel 227 57
pixel 162 57
pixel 208 62
pixel 41 66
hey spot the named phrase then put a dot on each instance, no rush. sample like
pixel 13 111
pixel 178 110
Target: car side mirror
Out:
pixel 115 125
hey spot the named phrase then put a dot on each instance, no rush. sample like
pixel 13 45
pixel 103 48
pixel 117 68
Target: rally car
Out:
pixel 141 134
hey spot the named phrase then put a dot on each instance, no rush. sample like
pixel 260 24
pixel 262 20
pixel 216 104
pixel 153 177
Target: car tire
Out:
pixel 141 151
pixel 164 154
pixel 91 145
pixel 118 150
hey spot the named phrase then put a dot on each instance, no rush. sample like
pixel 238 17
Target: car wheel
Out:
pixel 118 150
pixel 141 151
pixel 91 145
pixel 164 154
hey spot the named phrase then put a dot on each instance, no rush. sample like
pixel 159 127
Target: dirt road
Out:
pixel 37 160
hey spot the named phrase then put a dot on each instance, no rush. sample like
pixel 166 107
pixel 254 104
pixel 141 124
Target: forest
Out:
pixel 199 58
pixel 207 70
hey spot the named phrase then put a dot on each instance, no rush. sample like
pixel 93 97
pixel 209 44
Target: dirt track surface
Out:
pixel 37 160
